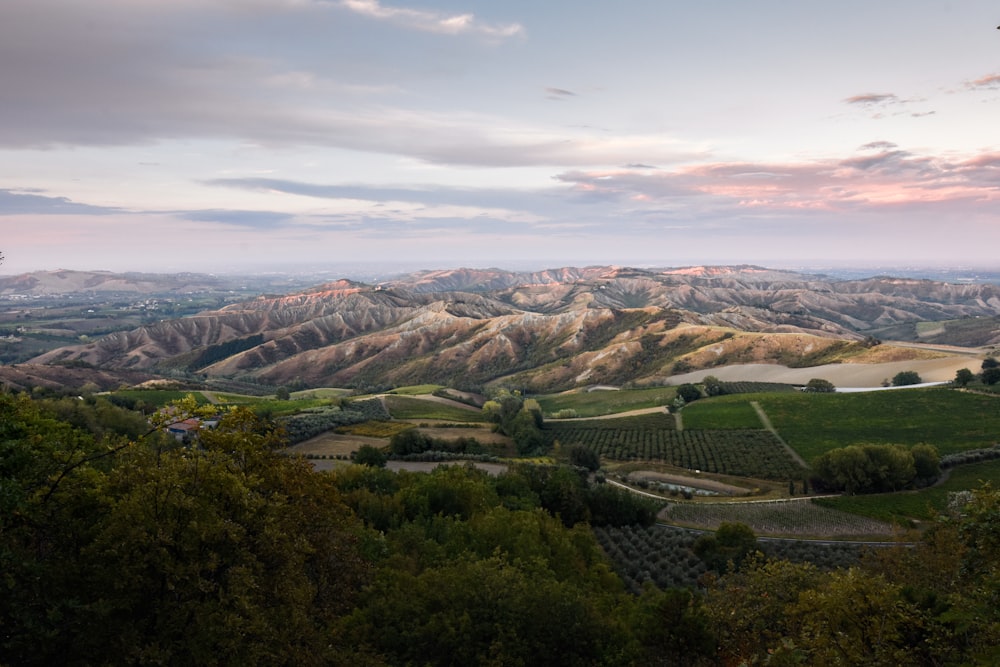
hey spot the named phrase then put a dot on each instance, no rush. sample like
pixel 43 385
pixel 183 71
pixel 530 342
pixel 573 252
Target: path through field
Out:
pixel 766 421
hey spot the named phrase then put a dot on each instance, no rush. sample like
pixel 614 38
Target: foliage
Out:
pixel 141 554
pixel 584 457
pixel 726 550
pixel 820 386
pixel 875 468
pixel 689 392
pixel 311 422
pixel 905 378
pixel 963 377
pixel 367 455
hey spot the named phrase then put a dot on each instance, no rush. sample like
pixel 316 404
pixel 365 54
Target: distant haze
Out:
pixel 235 136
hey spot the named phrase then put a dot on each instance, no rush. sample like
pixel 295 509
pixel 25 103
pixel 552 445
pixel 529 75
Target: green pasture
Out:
pixel 416 390
pixel 406 407
pixel 724 412
pixel 605 402
pixel 924 504
pixel 951 420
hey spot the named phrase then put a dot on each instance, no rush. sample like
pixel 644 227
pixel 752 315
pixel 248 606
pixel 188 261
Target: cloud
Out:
pixel 988 82
pixel 873 99
pixel 514 205
pixel 558 94
pixel 883 177
pixel 881 105
pixel 252 219
pixel 20 202
pixel 427 21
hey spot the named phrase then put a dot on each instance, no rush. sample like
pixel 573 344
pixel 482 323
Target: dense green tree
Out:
pixel 868 468
pixel 905 378
pixel 673 628
pixel 368 455
pixel 689 392
pixel 713 386
pixel 821 386
pixel 225 552
pixel 585 457
pixel 990 376
pixel 731 544
pixel 926 462
pixel 963 377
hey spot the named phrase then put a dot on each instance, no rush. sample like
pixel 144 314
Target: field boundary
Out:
pixel 766 422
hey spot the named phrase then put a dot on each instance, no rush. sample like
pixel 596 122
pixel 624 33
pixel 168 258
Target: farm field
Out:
pixel 950 420
pixel 334 444
pixel 408 407
pixel 797 518
pixel 720 413
pixel 746 453
pixel 599 402
pixel 663 555
pixel 923 504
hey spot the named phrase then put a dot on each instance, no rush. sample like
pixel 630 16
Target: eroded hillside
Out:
pixel 549 330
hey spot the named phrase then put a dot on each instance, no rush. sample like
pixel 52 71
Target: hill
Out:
pixel 547 330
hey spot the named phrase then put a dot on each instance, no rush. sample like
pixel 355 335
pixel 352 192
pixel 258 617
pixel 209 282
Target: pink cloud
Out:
pixel 886 177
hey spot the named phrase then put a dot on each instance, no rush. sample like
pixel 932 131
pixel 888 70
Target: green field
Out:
pixel 725 412
pixel 923 504
pixel 606 402
pixel 405 407
pixel 952 421
pixel 416 390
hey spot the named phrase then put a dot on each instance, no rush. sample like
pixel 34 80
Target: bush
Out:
pixel 905 378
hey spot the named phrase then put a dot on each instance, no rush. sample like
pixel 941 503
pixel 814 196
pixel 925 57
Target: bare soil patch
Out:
pixel 332 444
pixel 682 480
pixel 483 435
pixel 941 369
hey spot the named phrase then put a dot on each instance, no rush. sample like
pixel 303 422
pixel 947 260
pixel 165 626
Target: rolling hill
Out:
pixel 548 330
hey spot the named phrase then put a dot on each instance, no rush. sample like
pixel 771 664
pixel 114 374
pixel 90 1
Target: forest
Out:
pixel 120 545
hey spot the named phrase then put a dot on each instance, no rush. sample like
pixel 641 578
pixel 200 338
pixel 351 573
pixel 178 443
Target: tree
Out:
pixel 585 457
pixel 963 377
pixel 282 394
pixel 368 455
pixel 905 378
pixel 926 462
pixel 713 386
pixel 689 392
pixel 820 386
pixel 990 376
pixel 727 548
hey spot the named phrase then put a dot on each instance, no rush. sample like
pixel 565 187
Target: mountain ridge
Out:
pixel 552 329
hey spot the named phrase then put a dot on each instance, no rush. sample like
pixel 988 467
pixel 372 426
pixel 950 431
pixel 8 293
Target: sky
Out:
pixel 244 135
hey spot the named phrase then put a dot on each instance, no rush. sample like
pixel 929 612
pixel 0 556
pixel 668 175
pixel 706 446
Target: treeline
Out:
pixel 872 468
pixel 134 551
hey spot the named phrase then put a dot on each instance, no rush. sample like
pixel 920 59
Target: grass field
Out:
pixel 416 390
pixel 605 402
pixel 733 412
pixel 921 505
pixel 952 421
pixel 405 407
